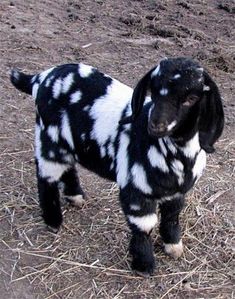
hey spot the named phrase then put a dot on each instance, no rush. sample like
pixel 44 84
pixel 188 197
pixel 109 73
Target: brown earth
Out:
pixel 88 257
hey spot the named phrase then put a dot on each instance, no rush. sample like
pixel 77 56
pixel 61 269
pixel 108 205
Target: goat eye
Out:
pixel 190 100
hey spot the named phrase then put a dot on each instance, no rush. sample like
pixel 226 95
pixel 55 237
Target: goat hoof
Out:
pixel 142 274
pixel 76 200
pixel 174 250
pixel 143 268
pixel 52 229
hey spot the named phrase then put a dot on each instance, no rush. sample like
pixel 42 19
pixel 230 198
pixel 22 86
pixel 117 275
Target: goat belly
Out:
pixel 89 156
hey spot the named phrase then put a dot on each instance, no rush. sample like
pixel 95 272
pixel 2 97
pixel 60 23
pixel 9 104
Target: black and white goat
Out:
pixel 155 155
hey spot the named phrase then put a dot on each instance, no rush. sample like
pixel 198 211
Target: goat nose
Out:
pixel 152 125
pixel 158 128
pixel 161 128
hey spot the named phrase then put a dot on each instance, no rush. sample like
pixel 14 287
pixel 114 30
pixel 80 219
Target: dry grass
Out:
pixel 92 245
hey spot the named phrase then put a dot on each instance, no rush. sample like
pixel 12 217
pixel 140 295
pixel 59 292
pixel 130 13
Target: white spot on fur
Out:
pixel 67 82
pixel 15 74
pixel 41 124
pixel 144 223
pixel 107 111
pixel 192 147
pixel 35 90
pixel 83 135
pixel 122 160
pixel 206 88
pixel 85 70
pixel 174 250
pixel 156 71
pixel 51 154
pixel 150 111
pixel 56 89
pixel 75 97
pixel 177 76
pixel 68 159
pixel 171 125
pixel 178 168
pixel 199 165
pixel 147 99
pixel 111 150
pixel 163 91
pixel 162 146
pixel 62 151
pixel 102 151
pixel 134 207
pixel 34 79
pixel 44 74
pixel 66 130
pixel 156 159
pixel 37 141
pixel 53 132
pixel 52 171
pixel 86 108
pixel 140 179
pixel 48 81
pixel 200 69
pixel 170 145
pixel 169 198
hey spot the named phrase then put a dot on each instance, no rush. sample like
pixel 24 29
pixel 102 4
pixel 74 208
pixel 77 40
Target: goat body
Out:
pixel 155 155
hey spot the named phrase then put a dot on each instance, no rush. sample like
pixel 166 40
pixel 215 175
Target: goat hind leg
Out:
pixel 49 200
pixel 48 174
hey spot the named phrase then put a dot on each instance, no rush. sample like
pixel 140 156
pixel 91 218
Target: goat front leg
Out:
pixel 72 189
pixel 170 228
pixel 141 217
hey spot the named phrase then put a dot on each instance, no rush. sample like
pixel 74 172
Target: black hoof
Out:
pixel 142 274
pixel 53 222
pixel 52 229
pixel 143 268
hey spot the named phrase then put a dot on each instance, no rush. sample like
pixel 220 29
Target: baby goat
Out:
pixel 153 147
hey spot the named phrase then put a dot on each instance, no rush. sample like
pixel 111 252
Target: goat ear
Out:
pixel 140 93
pixel 138 97
pixel 211 120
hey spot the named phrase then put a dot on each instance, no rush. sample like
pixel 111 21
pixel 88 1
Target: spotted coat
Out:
pixel 153 147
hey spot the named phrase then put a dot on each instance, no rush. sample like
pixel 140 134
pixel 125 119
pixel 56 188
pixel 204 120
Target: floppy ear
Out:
pixel 138 97
pixel 211 120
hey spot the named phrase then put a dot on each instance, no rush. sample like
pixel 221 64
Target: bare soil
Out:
pixel 88 258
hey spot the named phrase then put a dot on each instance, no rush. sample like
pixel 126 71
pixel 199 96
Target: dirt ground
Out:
pixel 88 258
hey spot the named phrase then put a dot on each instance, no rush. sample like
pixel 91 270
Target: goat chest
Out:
pixel 168 169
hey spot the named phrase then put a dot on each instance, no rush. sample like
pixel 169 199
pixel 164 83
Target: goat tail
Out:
pixel 22 81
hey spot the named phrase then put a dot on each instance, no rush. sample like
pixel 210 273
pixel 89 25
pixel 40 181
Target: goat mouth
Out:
pixel 155 134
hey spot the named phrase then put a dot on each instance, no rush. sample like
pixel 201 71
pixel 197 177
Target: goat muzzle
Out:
pixel 158 130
